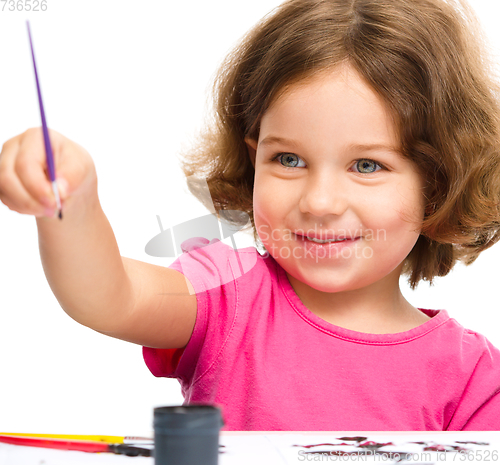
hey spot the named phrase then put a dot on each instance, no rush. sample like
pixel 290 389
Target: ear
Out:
pixel 252 149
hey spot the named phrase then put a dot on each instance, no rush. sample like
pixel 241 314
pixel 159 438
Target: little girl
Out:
pixel 362 137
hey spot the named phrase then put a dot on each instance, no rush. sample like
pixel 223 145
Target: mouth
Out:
pixel 325 240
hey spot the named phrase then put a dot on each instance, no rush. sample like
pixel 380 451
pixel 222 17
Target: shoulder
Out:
pixel 228 283
pixel 481 398
pixel 476 361
pixel 477 347
pixel 212 264
pixel 464 357
pixel 467 348
pixel 481 351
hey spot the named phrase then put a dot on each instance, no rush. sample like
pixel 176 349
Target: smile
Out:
pixel 324 239
pixel 318 241
pixel 313 243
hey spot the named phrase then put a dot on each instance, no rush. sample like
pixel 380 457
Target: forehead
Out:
pixel 338 102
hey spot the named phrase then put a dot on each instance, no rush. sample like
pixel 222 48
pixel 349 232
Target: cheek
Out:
pixel 271 207
pixel 399 207
pixel 264 209
pixel 269 201
pixel 411 210
pixel 394 221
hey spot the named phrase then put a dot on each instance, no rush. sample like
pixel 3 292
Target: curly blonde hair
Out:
pixel 427 59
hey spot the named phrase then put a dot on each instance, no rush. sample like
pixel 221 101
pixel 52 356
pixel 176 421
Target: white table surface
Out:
pixel 279 448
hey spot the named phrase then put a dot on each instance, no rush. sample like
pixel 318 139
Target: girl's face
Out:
pixel 327 168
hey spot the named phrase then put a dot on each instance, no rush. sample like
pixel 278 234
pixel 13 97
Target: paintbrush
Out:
pixel 48 148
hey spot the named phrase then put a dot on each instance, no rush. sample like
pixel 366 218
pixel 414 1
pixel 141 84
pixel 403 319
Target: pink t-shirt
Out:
pixel 271 364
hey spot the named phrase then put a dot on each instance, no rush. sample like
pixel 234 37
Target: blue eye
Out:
pixel 367 166
pixel 289 160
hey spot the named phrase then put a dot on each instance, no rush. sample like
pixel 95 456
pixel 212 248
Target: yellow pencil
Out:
pixel 84 437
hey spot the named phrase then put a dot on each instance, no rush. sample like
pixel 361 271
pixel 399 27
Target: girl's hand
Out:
pixel 25 186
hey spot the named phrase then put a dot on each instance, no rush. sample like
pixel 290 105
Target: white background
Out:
pixel 129 81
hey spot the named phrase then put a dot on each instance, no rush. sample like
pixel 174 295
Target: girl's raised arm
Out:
pixel 127 299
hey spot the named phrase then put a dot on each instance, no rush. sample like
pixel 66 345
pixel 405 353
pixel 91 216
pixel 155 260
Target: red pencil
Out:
pixel 82 446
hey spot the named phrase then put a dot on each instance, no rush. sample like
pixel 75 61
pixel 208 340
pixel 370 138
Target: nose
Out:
pixel 324 194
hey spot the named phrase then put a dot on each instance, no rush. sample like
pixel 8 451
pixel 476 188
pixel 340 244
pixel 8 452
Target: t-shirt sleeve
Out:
pixel 479 407
pixel 212 268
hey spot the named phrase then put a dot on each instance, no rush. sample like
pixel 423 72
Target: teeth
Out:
pixel 324 242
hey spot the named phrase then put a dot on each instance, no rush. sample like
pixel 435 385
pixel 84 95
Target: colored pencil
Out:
pixel 82 446
pixel 85 437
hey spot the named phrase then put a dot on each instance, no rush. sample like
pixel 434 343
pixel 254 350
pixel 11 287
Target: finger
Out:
pixel 12 192
pixel 30 165
pixel 74 164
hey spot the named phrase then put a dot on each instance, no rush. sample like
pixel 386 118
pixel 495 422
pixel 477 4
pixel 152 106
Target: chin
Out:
pixel 322 283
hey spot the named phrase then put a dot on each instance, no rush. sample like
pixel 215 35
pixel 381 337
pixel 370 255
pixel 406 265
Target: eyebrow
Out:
pixel 270 140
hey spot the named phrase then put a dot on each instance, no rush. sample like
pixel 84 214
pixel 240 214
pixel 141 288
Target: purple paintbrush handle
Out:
pixel 48 147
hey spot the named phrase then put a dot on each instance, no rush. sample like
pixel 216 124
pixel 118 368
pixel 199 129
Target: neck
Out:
pixel 378 308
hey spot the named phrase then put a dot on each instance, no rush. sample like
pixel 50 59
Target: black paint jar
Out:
pixel 187 435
